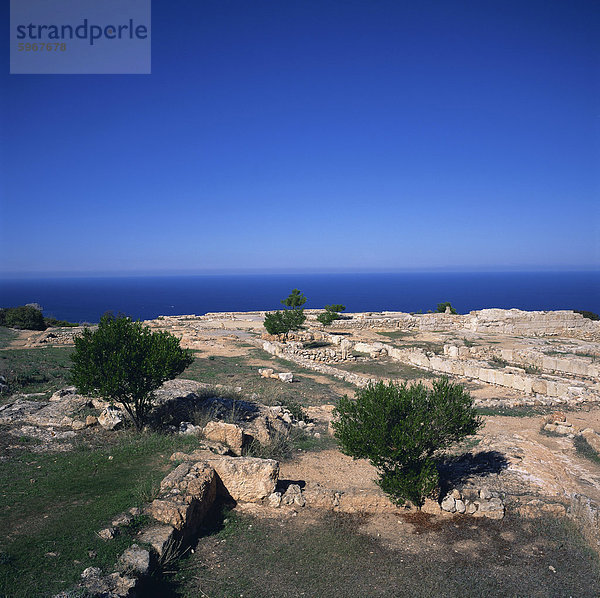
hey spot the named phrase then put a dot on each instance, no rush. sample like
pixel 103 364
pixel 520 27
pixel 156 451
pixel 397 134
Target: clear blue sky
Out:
pixel 315 135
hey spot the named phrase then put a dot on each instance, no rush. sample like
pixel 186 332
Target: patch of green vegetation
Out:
pixel 497 362
pixel 56 502
pixel 54 323
pixel 519 411
pixel 6 336
pixel 550 433
pixel 397 334
pixel 330 557
pixel 36 370
pixel 316 344
pixel 240 371
pixel 583 448
pixel 386 368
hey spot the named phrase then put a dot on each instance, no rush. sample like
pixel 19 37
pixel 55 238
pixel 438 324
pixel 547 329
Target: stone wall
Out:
pixel 498 321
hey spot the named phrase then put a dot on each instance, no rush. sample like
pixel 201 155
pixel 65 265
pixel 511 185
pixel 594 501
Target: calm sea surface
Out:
pixel 86 299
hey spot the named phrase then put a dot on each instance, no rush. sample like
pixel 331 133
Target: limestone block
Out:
pixel 492 509
pixel 449 504
pixel 135 559
pixel 158 536
pixel 195 480
pixel 110 418
pixel 229 434
pixel 592 438
pixel 247 479
pixel 266 372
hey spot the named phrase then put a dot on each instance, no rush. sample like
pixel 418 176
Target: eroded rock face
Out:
pixel 110 418
pixel 592 438
pixel 229 434
pixel 135 560
pixel 247 479
pixel 158 536
pixel 187 494
pixel 114 585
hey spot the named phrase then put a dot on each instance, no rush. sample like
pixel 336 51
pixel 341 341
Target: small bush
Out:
pixel 331 313
pixel 125 362
pixel 441 307
pixel 587 314
pixel 54 323
pixel 400 429
pixel 25 317
pixel 283 322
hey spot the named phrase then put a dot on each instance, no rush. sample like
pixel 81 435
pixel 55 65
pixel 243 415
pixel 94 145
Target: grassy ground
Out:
pixel 402 340
pixel 386 368
pixel 308 388
pixel 6 335
pixel 520 411
pixel 36 370
pixel 52 505
pixel 329 558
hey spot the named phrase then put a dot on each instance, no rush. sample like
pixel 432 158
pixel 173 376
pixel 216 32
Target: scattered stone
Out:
pixel 110 418
pixel 77 424
pixel 19 410
pixel 293 496
pixel 189 429
pixel 449 504
pixel 286 377
pixel 135 560
pixel 229 434
pixel 492 508
pixel 266 372
pixel 158 536
pixel 91 420
pixel 485 494
pixel 460 506
pixel 91 572
pixel 108 533
pixel 122 520
pixel 275 499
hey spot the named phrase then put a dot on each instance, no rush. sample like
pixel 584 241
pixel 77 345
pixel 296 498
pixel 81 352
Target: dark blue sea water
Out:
pixel 86 299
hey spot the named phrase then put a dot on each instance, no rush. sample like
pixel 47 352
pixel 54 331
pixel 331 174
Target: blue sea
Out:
pixel 86 299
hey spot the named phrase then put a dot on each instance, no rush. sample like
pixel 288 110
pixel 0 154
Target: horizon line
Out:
pixel 285 271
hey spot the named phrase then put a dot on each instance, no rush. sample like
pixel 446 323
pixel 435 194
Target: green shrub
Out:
pixel 54 323
pixel 401 428
pixel 25 317
pixel 295 299
pixel 441 307
pixel 587 314
pixel 124 362
pixel 283 322
pixel 330 314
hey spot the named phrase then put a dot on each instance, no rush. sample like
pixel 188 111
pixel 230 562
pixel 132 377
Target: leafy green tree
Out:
pixel 401 428
pixel 283 322
pixel 331 313
pixel 25 317
pixel 125 362
pixel 441 307
pixel 295 299
pixel 587 314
